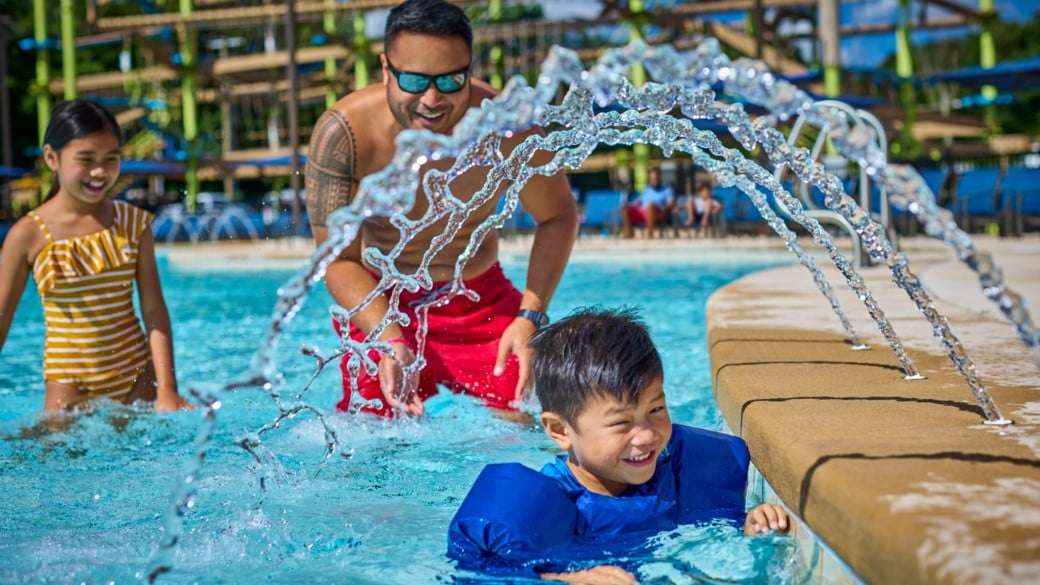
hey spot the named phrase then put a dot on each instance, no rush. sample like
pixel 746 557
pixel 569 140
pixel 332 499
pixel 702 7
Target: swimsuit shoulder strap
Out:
pixel 43 227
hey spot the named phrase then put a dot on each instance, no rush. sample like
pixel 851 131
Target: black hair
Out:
pixel 430 17
pixel 593 353
pixel 74 119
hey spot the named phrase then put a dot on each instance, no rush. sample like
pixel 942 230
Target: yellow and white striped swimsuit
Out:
pixel 94 340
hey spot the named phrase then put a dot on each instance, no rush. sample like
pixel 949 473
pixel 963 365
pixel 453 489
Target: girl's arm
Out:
pixel 157 326
pixel 14 273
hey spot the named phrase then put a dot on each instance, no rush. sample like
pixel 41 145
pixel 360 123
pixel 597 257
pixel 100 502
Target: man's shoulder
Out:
pixel 361 109
pixel 481 91
pixel 359 124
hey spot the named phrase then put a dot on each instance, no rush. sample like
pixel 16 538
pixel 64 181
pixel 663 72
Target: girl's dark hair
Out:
pixel 592 353
pixel 74 119
pixel 430 17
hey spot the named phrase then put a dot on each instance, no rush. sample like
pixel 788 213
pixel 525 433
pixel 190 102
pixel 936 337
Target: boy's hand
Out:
pixel 601 575
pixel 766 518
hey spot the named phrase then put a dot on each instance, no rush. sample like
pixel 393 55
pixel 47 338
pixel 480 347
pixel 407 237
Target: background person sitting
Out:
pixel 653 206
pixel 702 210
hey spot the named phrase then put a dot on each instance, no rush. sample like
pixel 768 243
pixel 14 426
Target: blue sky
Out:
pixel 858 51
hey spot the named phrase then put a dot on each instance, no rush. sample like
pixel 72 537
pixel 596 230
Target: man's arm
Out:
pixel 332 182
pixel 332 178
pixel 550 202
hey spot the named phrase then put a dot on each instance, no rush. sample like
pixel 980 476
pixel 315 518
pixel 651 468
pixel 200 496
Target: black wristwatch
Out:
pixel 539 318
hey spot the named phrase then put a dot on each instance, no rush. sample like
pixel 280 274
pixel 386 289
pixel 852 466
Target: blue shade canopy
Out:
pixel 1007 76
pixel 13 172
pixel 151 167
pixel 277 161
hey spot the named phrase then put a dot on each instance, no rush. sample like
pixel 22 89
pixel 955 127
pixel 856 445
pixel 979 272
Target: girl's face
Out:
pixel 87 167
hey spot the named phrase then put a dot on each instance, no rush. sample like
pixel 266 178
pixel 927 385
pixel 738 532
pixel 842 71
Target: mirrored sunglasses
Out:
pixel 420 82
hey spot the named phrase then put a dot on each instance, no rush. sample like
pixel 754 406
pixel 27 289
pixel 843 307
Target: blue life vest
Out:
pixel 514 517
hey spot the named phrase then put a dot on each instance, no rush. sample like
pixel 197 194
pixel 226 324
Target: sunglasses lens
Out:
pixel 413 82
pixel 450 83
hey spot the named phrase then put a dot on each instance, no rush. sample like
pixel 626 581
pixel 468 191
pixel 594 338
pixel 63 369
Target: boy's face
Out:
pixel 613 445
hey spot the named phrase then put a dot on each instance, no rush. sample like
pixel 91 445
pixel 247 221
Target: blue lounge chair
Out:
pixel 602 211
pixel 977 203
pixel 1021 192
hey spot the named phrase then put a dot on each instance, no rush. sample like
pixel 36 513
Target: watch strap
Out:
pixel 539 318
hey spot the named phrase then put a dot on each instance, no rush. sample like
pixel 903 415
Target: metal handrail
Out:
pixel 855 116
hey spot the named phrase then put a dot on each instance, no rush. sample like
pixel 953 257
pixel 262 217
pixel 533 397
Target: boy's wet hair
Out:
pixel 593 353
pixel 77 118
pixel 428 17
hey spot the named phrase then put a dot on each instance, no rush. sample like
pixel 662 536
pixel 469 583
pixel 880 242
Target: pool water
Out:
pixel 91 503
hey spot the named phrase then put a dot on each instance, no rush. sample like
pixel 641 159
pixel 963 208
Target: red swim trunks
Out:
pixel 461 345
pixel 637 213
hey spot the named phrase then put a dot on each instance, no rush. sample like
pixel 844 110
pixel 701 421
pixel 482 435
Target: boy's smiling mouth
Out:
pixel 643 459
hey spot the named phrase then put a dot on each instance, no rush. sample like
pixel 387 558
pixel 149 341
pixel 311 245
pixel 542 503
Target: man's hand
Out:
pixel 400 391
pixel 514 342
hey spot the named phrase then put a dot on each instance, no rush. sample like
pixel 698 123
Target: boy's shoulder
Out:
pixel 492 521
pixel 695 440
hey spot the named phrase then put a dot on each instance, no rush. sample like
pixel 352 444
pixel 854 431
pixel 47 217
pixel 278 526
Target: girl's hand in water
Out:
pixel 601 575
pixel 399 390
pixel 766 518
pixel 171 402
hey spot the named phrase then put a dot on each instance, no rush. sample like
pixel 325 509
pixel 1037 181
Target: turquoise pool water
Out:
pixel 90 504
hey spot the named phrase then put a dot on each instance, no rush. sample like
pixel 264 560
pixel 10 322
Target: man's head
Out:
pixel 704 190
pixel 600 382
pixel 428 17
pixel 426 64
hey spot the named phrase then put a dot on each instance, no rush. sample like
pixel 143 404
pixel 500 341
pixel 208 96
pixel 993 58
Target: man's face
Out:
pixel 613 445
pixel 431 109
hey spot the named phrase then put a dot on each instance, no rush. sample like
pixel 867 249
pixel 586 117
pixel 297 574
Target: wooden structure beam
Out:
pixel 888 28
pixel 276 59
pixel 239 15
pixel 101 81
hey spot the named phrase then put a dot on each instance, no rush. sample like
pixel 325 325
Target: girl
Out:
pixel 85 251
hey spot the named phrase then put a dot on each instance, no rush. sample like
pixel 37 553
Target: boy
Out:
pixel 627 469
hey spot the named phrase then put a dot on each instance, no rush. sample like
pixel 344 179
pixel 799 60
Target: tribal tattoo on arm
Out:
pixel 331 175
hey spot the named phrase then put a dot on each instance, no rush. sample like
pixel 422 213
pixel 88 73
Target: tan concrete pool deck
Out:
pixel 899 477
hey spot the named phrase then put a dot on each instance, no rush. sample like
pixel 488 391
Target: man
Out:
pixel 479 348
pixel 653 206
